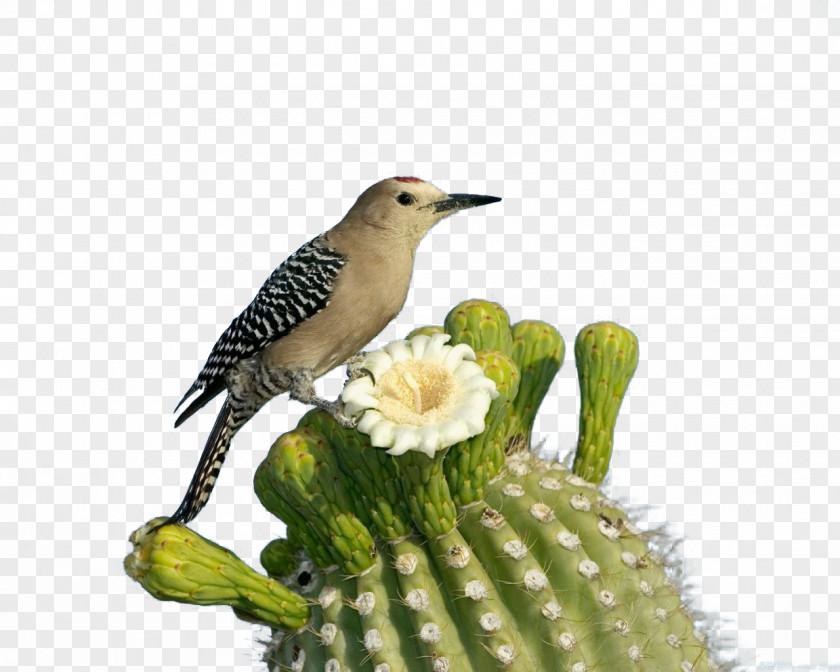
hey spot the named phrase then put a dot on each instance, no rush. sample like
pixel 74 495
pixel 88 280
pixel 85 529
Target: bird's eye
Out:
pixel 405 198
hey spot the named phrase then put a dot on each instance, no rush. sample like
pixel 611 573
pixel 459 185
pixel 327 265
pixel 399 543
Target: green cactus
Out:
pixel 471 464
pixel 483 557
pixel 174 563
pixel 606 356
pixel 426 331
pixel 538 350
pixel 482 325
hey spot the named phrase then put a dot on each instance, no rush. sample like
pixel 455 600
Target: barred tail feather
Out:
pixel 193 389
pixel 200 401
pixel 208 466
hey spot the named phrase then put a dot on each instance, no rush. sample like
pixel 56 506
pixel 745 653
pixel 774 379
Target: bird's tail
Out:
pixel 218 444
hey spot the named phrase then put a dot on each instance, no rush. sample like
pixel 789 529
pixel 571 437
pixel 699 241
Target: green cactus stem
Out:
pixel 280 557
pixel 424 331
pixel 483 325
pixel 341 629
pixel 174 563
pixel 475 557
pixel 381 617
pixel 546 574
pixel 300 482
pixel 606 356
pixel 520 579
pixel 368 473
pixel 471 464
pixel 497 645
pixel 538 350
pixel 427 492
pixel 425 605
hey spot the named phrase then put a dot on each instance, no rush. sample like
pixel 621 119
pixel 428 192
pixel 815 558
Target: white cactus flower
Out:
pixel 427 396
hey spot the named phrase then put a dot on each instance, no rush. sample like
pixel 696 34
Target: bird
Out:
pixel 316 311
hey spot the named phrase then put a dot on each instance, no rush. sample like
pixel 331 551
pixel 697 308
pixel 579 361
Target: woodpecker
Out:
pixel 316 311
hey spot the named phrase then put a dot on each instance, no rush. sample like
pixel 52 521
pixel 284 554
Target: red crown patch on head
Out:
pixel 408 179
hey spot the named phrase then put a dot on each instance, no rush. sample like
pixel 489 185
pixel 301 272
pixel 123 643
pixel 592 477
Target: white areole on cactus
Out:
pixel 422 395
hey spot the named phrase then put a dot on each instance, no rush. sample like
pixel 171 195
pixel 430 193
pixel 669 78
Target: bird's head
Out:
pixel 409 206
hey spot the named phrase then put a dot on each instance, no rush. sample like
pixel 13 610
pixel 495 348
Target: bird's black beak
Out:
pixel 462 202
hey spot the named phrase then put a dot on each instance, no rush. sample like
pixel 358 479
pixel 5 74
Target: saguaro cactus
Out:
pixel 406 553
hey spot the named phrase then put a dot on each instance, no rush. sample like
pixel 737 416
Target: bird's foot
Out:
pixel 336 410
pixel 355 369
pixel 303 391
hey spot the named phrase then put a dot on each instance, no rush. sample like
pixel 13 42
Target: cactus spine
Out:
pixel 483 557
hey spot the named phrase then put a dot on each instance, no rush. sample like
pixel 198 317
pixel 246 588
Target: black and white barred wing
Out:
pixel 298 289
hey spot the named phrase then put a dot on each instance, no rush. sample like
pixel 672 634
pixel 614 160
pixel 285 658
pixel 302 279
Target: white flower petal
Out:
pixel 480 383
pixel 466 370
pixel 430 440
pixel 418 345
pixel 458 354
pixel 399 351
pixel 478 403
pixel 382 436
pixel 382 433
pixel 351 409
pixel 435 349
pixel 368 420
pixel 360 385
pixel 472 417
pixel 377 362
pixel 430 453
pixel 406 437
pixel 460 416
pixel 358 395
pixel 367 400
pixel 452 431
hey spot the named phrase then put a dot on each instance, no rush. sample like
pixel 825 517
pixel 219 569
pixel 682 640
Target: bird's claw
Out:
pixel 364 371
pixel 355 369
pixel 336 410
pixel 344 421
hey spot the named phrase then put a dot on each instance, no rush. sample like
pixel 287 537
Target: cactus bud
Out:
pixel 606 355
pixel 483 325
pixel 174 563
pixel 538 350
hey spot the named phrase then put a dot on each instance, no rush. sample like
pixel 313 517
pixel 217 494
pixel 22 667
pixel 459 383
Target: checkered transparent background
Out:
pixel 674 169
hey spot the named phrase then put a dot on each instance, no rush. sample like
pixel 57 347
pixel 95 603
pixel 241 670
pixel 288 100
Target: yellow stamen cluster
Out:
pixel 416 393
